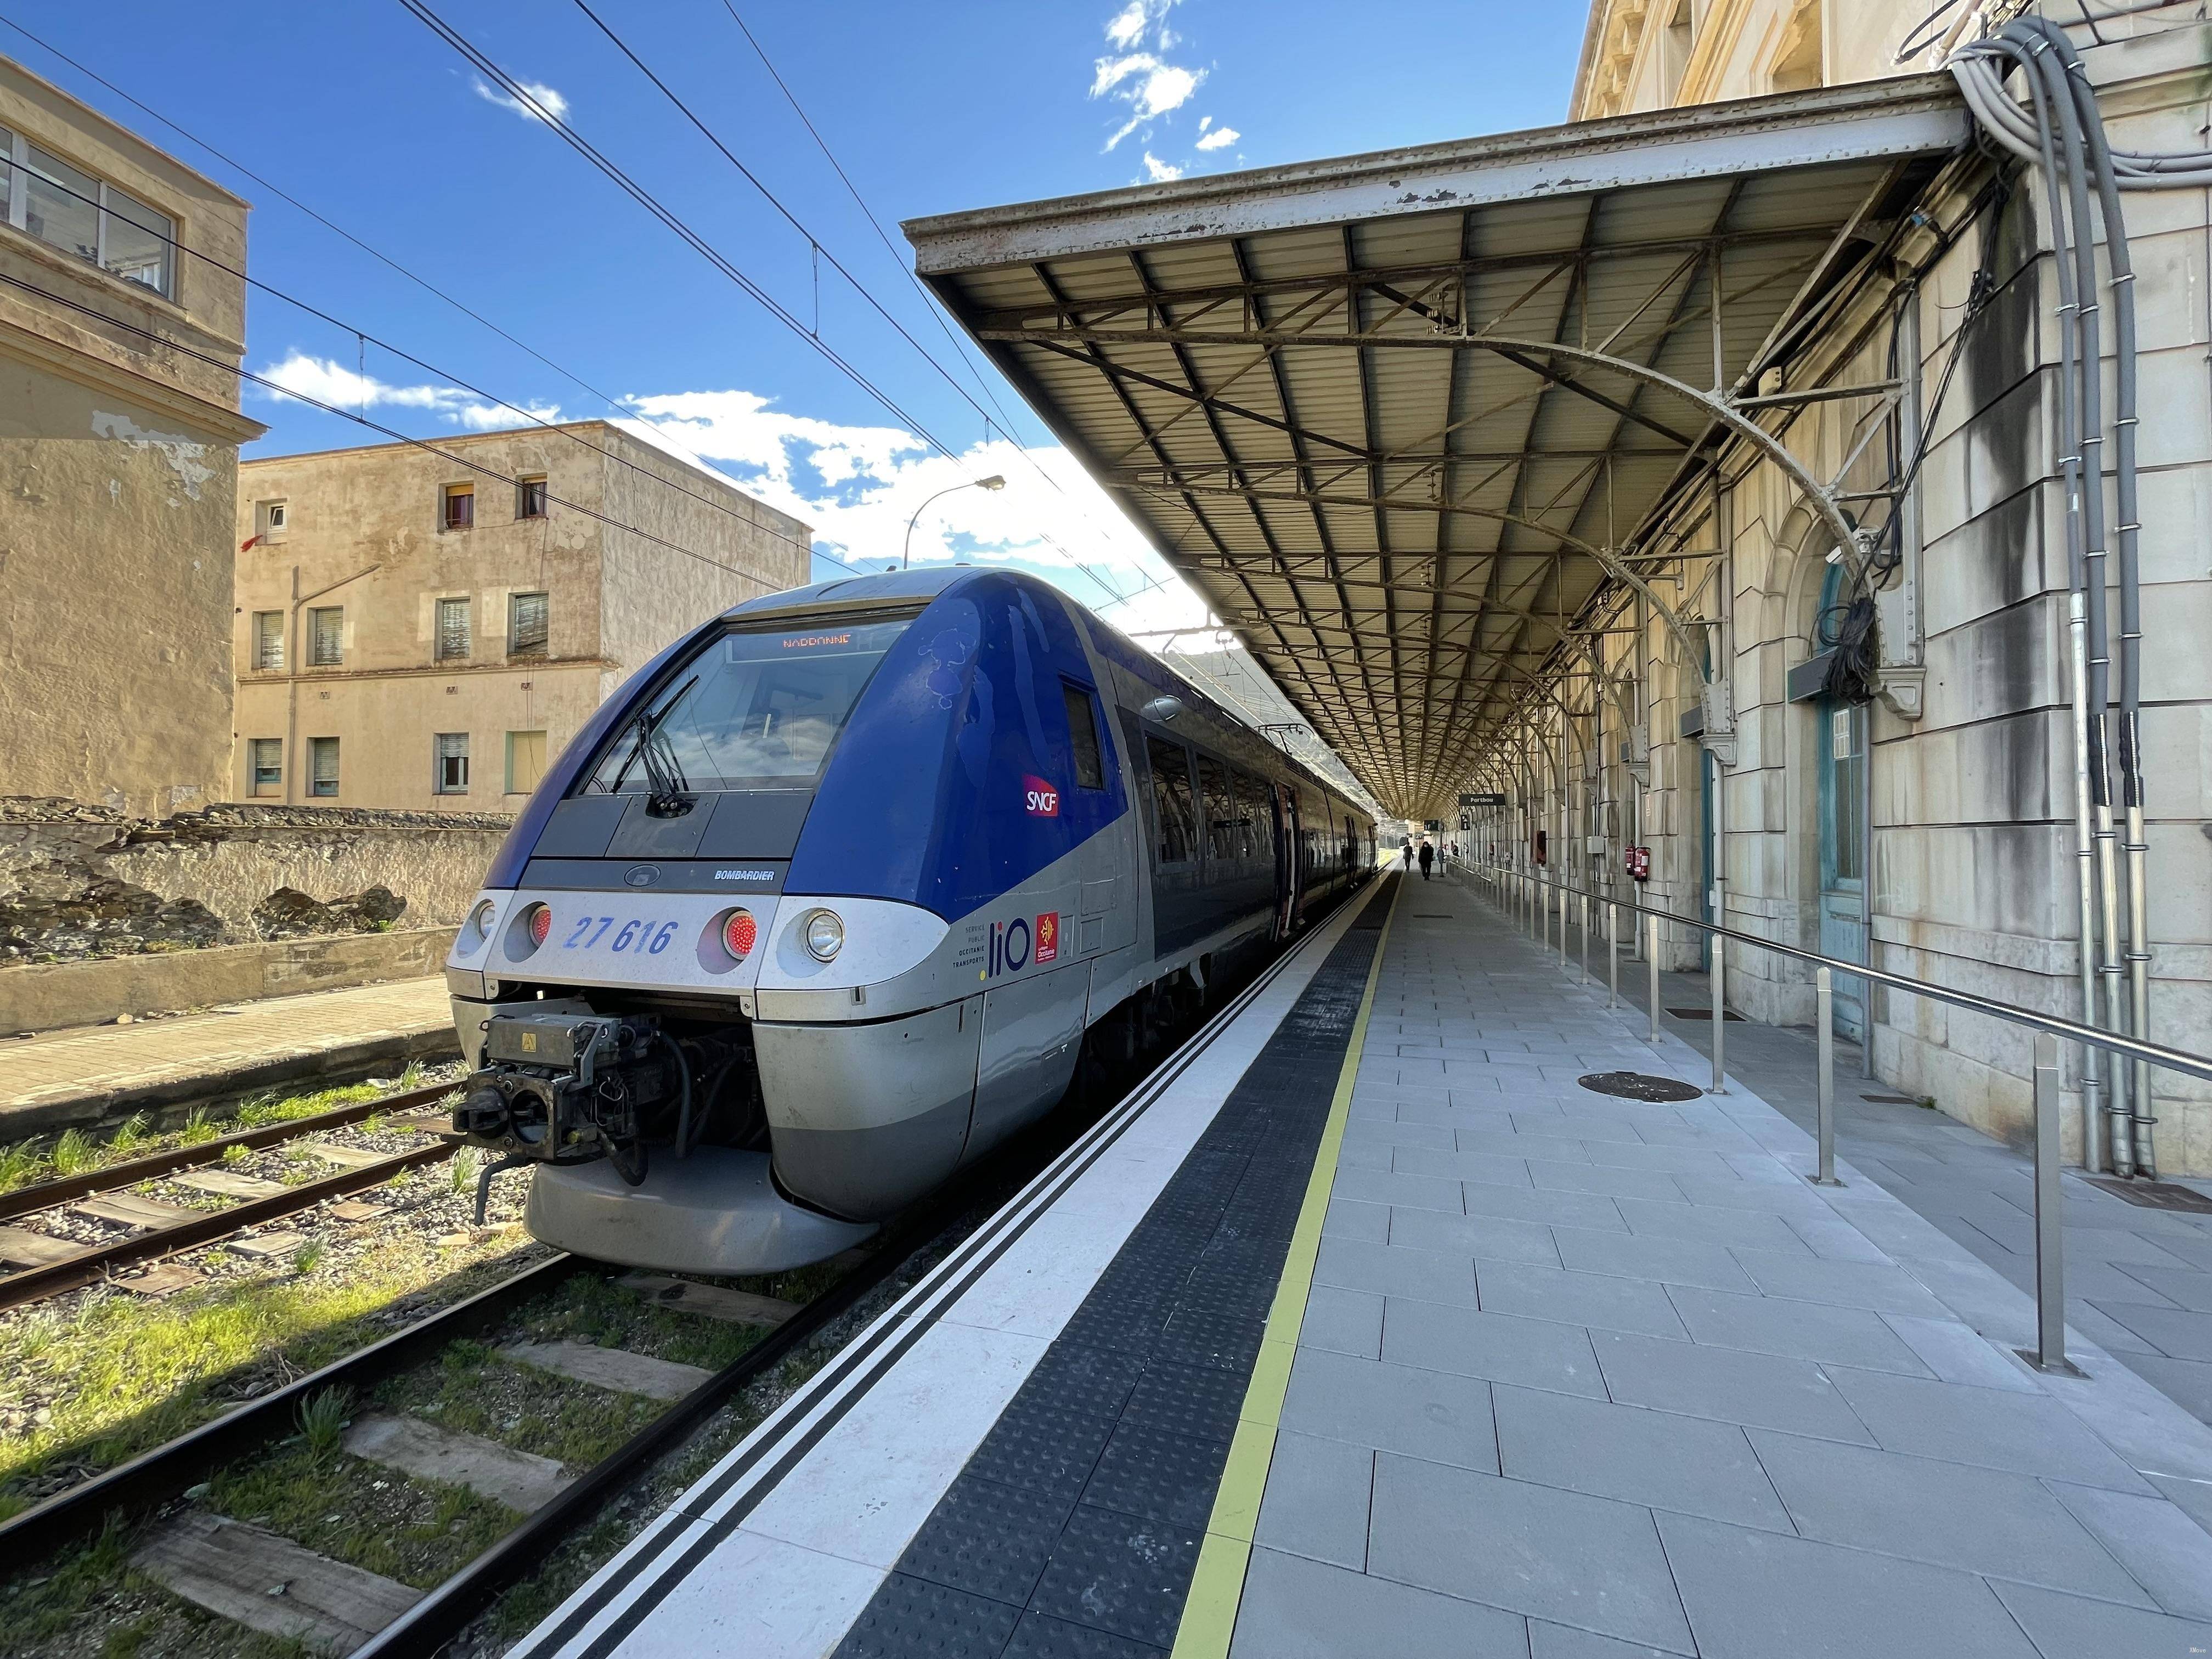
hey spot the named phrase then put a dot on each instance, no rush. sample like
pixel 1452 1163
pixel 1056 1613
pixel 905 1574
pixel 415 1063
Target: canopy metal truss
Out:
pixel 1403 419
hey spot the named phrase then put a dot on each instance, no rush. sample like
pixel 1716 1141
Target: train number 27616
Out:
pixel 635 935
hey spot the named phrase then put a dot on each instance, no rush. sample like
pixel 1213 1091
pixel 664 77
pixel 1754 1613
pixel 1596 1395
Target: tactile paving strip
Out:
pixel 1075 1528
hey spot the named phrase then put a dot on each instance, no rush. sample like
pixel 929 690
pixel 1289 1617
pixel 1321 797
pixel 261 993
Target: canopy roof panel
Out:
pixel 1355 403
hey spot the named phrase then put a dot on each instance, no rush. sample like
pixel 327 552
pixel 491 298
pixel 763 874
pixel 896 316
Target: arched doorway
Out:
pixel 1842 754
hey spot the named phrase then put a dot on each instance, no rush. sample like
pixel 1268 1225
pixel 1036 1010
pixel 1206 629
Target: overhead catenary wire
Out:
pixel 424 444
pixel 524 97
pixel 819 250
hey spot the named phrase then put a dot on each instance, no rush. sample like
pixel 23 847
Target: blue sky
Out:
pixel 362 112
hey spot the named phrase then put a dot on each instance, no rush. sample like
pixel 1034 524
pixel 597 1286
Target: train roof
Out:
pixel 880 589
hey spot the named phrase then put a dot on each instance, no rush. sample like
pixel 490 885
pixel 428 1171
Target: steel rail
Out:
pixel 2155 1053
pixel 425 1628
pixel 156 1476
pixel 86 1266
pixel 47 1194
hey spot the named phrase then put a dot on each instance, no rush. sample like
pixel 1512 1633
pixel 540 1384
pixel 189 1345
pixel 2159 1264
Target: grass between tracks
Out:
pixel 308 1489
pixel 76 1151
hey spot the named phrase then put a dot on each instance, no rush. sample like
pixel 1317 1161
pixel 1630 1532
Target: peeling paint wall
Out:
pixel 115 576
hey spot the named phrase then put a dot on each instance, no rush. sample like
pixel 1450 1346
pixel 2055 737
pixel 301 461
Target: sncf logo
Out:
pixel 1016 944
pixel 1039 799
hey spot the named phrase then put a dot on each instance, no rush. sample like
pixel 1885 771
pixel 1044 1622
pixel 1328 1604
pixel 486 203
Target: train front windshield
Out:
pixel 757 709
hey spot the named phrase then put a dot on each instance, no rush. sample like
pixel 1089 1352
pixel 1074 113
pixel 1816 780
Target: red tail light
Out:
pixel 541 924
pixel 739 934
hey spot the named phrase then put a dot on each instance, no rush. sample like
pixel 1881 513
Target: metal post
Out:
pixel 1611 954
pixel 2050 1353
pixel 1720 1013
pixel 1824 998
pixel 1563 924
pixel 1585 917
pixel 1652 951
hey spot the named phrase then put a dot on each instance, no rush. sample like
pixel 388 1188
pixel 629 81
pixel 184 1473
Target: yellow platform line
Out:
pixel 1217 1587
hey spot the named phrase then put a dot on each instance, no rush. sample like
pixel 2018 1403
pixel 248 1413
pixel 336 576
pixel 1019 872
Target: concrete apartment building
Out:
pixel 413 633
pixel 1930 831
pixel 118 460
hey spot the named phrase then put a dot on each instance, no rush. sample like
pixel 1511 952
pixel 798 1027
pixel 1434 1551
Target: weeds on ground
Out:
pixel 462 1170
pixel 74 1153
pixel 130 1137
pixel 412 1076
pixel 120 1374
pixel 305 1258
pixel 199 1129
pixel 323 1419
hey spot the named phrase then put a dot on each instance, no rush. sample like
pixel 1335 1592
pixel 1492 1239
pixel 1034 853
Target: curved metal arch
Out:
pixel 1719 408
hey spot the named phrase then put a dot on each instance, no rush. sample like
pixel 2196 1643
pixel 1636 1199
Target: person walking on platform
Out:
pixel 1428 857
pixel 1409 858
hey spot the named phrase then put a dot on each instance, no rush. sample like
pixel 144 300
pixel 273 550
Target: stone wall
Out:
pixel 78 881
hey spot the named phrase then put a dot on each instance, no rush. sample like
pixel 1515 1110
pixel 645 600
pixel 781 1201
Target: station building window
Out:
pixel 322 766
pixel 460 506
pixel 268 639
pixel 454 640
pixel 451 774
pixel 327 636
pixel 530 498
pixel 68 208
pixel 265 766
pixel 528 624
pixel 526 761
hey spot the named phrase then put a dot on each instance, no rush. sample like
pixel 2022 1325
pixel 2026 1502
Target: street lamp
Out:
pixel 993 482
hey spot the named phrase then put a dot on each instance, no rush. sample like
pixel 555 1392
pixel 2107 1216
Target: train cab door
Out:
pixel 1288 887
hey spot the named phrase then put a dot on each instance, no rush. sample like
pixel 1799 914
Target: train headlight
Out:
pixel 739 934
pixel 824 934
pixel 479 928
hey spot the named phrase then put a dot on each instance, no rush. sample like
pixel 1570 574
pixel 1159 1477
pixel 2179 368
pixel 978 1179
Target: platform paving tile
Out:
pixel 2029 1433
pixel 1297 1608
pixel 1878 1287
pixel 1537 1353
pixel 1591 1562
pixel 1473 1236
pixel 1666 1260
pixel 1397 1271
pixel 1654 1458
pixel 1599 1302
pixel 1984 1521
pixel 1799 1330
pixel 1437 1415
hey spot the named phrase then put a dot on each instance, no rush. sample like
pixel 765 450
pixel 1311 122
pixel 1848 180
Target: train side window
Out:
pixel 1172 805
pixel 1253 799
pixel 1083 736
pixel 1220 800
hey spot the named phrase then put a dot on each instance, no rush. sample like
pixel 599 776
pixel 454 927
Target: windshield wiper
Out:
pixel 668 791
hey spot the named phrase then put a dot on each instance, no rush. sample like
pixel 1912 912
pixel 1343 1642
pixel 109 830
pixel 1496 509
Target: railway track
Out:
pixel 57 1265
pixel 186 1549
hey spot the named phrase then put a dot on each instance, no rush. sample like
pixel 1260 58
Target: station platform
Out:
pixel 1365 1326
pixel 91 1073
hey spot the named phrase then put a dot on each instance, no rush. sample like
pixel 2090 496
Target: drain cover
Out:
pixel 1639 1086
pixel 2155 1194
pixel 1703 1013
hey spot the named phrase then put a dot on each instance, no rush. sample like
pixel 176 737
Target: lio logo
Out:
pixel 1010 946
pixel 1039 799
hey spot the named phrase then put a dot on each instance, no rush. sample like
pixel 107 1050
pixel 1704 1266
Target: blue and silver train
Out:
pixel 845 887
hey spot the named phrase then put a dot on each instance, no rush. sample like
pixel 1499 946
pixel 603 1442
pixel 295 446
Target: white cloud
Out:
pixel 1158 172
pixel 327 381
pixel 1150 87
pixel 1219 139
pixel 860 485
pixel 1126 26
pixel 547 99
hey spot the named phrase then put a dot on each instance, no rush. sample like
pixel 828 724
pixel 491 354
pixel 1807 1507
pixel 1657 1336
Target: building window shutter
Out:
pixel 327 628
pixel 527 623
pixel 453 642
pixel 268 639
pixel 526 761
pixel 452 765
pixel 323 766
pixel 265 765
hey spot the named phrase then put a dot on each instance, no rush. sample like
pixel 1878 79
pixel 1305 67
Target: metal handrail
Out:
pixel 2050 1353
pixel 2175 1060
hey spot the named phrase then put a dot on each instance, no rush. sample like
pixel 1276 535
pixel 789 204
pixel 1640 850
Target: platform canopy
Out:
pixel 1396 417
